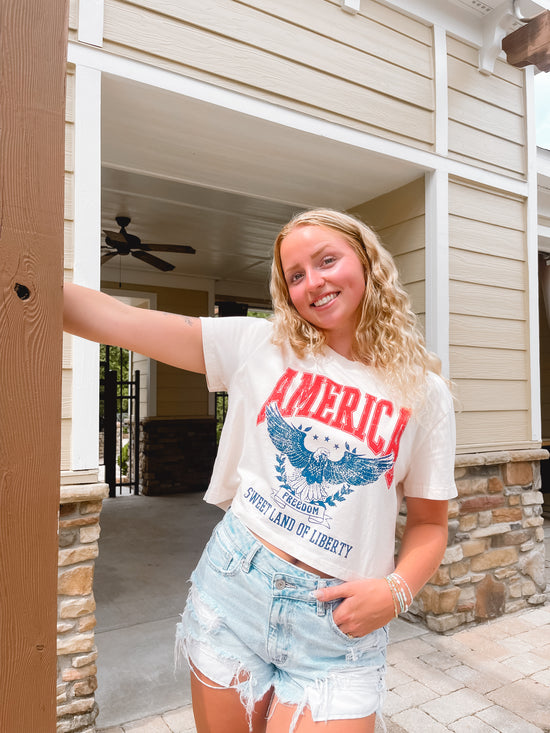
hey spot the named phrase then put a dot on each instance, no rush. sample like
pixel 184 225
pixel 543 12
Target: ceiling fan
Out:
pixel 122 243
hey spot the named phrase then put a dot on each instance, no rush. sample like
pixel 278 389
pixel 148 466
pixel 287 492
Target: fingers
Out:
pixel 366 605
pixel 333 592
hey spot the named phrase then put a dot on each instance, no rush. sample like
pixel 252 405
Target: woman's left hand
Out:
pixel 367 605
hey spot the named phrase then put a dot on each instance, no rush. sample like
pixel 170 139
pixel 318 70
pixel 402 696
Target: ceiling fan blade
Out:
pixel 107 256
pixel 152 260
pixel 175 248
pixel 115 236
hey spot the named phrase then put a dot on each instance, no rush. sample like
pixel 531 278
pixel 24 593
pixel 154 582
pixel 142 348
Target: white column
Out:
pixel 87 233
pixel 437 265
pixel 532 255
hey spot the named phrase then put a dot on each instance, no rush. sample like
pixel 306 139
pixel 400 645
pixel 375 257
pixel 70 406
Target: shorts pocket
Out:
pixel 375 639
pixel 221 553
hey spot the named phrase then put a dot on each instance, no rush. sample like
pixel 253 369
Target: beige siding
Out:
pixel 486 113
pixel 73 18
pixel 179 393
pixel 505 430
pixel 398 217
pixel 373 73
pixel 489 320
pixel 66 389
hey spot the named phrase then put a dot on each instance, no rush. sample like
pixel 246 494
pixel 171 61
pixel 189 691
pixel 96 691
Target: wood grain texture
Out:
pixel 470 54
pixel 478 145
pixel 498 92
pixel 486 205
pixel 33 45
pixel 496 333
pixel 490 302
pixel 492 239
pixel 478 114
pixel 383 32
pixel 497 364
pixel 487 269
pixel 480 431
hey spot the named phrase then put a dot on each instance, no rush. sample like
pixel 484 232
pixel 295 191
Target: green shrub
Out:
pixel 122 459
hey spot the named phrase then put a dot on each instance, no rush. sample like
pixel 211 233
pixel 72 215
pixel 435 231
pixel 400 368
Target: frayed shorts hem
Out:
pixel 228 673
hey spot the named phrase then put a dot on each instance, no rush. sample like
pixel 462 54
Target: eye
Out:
pixel 328 260
pixel 295 277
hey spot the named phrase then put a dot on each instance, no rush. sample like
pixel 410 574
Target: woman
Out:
pixel 335 413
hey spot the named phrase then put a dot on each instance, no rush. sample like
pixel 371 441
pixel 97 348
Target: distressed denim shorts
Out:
pixel 250 616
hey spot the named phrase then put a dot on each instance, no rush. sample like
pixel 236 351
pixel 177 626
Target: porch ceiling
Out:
pixel 190 173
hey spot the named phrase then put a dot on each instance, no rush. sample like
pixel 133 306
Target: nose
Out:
pixel 314 279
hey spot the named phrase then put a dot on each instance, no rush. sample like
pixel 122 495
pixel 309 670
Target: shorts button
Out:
pixel 280 584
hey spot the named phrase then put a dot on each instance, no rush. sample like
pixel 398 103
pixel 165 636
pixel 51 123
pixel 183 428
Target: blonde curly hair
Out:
pixel 386 336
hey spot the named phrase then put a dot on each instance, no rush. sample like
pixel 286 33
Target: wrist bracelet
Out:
pixel 406 585
pixel 401 593
pixel 395 606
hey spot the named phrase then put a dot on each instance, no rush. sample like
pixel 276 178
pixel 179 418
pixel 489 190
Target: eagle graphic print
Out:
pixel 317 466
pixel 312 475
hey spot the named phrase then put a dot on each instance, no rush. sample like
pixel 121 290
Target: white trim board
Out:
pixel 90 21
pixel 441 92
pixel 532 256
pixel 437 266
pixel 86 269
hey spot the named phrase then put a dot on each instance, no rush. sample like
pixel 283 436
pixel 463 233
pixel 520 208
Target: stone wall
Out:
pixel 495 560
pixel 80 506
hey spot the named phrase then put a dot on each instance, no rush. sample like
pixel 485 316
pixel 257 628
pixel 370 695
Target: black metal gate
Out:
pixel 119 401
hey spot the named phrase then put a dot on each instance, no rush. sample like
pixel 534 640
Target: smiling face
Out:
pixel 326 282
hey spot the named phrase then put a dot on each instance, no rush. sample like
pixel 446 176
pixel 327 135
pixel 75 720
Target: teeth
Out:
pixel 325 300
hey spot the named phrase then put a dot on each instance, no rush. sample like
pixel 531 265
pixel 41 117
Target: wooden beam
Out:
pixel 33 46
pixel 530 44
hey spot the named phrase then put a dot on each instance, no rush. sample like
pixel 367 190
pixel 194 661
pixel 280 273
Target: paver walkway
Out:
pixel 493 678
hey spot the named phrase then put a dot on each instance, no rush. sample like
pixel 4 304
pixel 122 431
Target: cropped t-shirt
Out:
pixel 316 454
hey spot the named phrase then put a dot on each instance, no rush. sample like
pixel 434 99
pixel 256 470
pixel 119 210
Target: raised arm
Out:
pixel 166 337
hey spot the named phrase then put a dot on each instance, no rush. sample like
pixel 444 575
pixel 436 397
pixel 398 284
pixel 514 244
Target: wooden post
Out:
pixel 33 47
pixel 530 44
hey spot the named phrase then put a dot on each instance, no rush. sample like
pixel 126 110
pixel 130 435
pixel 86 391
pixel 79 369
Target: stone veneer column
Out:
pixel 495 560
pixel 80 506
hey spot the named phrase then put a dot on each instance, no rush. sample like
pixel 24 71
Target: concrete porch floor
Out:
pixel 147 551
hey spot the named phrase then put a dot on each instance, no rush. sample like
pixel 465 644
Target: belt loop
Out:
pixel 247 560
pixel 321 605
